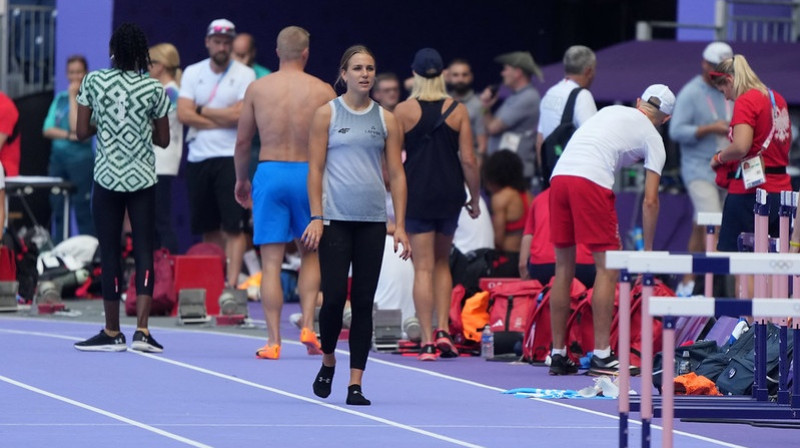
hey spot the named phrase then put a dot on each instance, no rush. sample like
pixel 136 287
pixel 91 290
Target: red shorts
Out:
pixel 582 212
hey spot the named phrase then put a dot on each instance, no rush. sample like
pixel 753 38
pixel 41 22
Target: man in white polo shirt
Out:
pixel 580 66
pixel 582 211
pixel 210 102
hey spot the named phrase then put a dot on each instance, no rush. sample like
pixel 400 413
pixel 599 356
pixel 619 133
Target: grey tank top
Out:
pixel 352 185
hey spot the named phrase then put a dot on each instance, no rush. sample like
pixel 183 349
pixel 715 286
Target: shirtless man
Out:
pixel 281 106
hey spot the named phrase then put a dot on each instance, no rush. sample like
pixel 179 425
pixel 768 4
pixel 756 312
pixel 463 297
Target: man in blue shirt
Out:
pixel 700 126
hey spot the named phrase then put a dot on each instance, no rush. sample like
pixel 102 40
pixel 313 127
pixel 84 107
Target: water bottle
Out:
pixel 487 343
pixel 638 238
pixel 685 365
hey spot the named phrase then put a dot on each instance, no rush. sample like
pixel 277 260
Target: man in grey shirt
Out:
pixel 513 125
pixel 700 125
pixel 459 85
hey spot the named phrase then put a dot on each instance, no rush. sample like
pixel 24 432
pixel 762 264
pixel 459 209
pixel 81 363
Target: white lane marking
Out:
pixel 413 369
pixel 297 425
pixel 308 400
pixel 160 358
pixel 105 413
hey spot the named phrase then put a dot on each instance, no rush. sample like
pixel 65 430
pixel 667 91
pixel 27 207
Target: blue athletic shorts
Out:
pixel 280 202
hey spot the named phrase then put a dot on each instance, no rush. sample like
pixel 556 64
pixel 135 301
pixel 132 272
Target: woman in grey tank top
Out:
pixel 346 194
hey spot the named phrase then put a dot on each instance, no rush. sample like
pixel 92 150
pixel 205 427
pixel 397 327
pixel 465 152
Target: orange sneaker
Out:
pixel 269 352
pixel 309 339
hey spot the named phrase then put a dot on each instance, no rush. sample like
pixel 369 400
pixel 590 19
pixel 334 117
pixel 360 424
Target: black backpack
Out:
pixel 553 146
pixel 467 269
pixel 26 252
pixel 732 369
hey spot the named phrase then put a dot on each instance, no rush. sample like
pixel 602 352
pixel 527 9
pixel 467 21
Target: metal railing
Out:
pixel 27 48
pixel 776 21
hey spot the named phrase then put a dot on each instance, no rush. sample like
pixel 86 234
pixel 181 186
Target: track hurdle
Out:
pixel 711 221
pixel 648 263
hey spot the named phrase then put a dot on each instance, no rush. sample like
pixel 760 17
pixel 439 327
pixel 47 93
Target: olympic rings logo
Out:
pixel 781 265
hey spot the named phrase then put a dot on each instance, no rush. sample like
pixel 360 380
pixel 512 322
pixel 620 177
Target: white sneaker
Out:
pixel 295 319
pixel 607 387
pixel 685 289
pixel 412 329
pixel 347 317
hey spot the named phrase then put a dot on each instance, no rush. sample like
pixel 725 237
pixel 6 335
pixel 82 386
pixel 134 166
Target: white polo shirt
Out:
pixel 198 84
pixel 552 106
pixel 615 137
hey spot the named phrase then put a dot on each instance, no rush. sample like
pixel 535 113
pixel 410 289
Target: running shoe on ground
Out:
pixel 607 366
pixel 145 343
pixel 445 344
pixel 562 365
pixel 269 352
pixel 309 339
pixel 102 342
pixel 427 353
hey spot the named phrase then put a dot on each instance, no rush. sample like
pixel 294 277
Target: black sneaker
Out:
pixel 102 342
pixel 145 343
pixel 427 353
pixel 607 366
pixel 446 345
pixel 562 365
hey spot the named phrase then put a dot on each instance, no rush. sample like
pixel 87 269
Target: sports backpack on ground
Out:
pixel 475 315
pixel 580 327
pixel 538 338
pixel 457 299
pixel 659 289
pixel 164 299
pixel 510 303
pixel 553 146
pixel 732 369
pixel 25 247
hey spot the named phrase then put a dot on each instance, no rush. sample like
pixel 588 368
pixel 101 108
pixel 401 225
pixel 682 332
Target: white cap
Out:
pixel 717 52
pixel 221 27
pixel 661 97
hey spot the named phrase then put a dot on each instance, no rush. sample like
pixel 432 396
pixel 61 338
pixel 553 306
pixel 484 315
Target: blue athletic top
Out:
pixel 352 185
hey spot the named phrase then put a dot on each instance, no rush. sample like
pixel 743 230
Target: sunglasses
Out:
pixel 221 29
pixel 718 77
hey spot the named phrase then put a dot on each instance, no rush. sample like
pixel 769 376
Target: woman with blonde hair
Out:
pixel 438 144
pixel 165 67
pixel 760 135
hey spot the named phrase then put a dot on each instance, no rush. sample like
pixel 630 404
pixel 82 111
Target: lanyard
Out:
pixel 219 80
pixel 713 109
pixel 768 140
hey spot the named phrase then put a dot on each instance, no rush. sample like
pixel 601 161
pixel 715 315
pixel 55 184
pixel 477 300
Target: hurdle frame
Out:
pixel 649 263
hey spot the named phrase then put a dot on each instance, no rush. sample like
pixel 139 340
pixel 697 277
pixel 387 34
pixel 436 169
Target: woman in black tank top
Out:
pixel 439 159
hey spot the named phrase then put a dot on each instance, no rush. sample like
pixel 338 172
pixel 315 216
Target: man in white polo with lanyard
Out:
pixel 700 126
pixel 210 102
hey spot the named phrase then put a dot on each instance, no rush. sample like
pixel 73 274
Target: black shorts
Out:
pixel 211 200
pixel 738 217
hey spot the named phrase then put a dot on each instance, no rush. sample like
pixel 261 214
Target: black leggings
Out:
pixel 342 243
pixel 108 209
